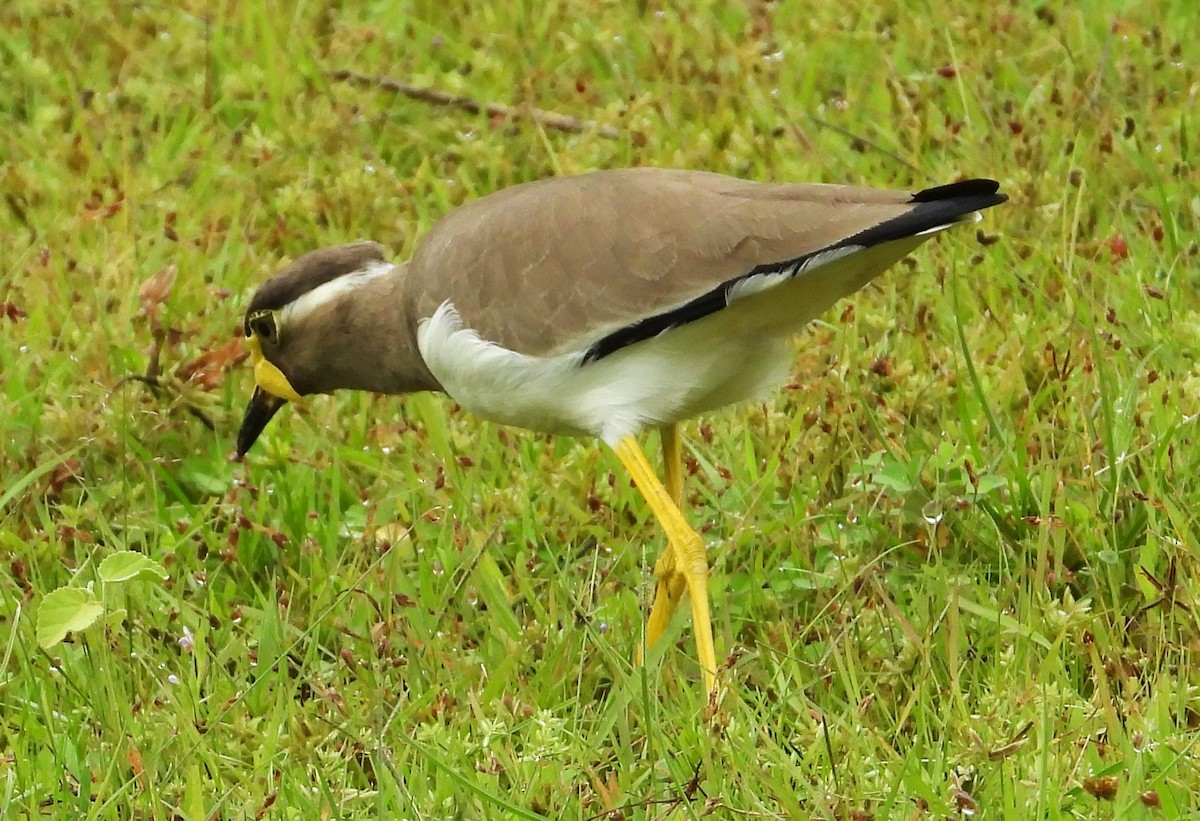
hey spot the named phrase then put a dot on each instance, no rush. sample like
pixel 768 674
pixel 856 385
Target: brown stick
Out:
pixel 150 379
pixel 546 119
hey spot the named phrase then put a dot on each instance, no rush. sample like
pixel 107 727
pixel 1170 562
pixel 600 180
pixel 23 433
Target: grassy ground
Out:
pixel 954 561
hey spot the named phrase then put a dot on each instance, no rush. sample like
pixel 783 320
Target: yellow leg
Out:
pixel 673 462
pixel 685 547
pixel 671 583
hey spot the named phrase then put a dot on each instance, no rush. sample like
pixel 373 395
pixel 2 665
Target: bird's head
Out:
pixel 297 332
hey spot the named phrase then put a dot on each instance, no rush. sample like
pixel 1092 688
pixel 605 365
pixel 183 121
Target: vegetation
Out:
pixel 954 561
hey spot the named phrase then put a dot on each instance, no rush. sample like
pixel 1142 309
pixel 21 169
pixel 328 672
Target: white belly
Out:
pixel 674 376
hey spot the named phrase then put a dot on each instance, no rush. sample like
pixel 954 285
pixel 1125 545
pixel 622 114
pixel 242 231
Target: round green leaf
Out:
pixel 128 565
pixel 63 611
pixel 989 483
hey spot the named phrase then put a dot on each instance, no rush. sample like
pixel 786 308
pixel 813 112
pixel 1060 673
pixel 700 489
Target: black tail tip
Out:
pixel 965 188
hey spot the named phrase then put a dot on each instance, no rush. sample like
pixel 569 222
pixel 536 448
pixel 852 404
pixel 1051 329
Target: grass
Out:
pixel 954 561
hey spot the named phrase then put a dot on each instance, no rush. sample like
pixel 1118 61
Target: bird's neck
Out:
pixel 378 337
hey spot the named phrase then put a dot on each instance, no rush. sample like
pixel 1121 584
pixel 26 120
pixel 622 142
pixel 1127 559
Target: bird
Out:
pixel 601 305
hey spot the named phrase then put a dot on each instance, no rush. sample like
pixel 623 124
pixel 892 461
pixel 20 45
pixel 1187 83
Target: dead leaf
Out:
pixel 155 290
pixel 135 761
pixel 65 472
pixel 66 533
pixel 608 791
pixel 268 802
pixel 965 803
pixel 1103 787
pixel 207 371
pixel 10 311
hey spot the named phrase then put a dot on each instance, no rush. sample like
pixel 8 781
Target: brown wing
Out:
pixel 561 264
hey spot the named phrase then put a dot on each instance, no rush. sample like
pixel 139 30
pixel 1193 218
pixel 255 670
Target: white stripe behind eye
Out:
pixel 298 309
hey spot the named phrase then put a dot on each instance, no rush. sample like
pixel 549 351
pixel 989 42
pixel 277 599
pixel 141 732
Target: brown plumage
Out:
pixel 539 267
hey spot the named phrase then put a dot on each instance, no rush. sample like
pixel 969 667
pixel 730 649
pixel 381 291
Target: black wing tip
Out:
pixel 989 189
pixel 938 206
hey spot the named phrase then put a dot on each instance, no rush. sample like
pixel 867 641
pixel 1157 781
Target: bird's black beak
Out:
pixel 262 408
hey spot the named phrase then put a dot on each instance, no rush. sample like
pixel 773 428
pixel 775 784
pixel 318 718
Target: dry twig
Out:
pixel 547 119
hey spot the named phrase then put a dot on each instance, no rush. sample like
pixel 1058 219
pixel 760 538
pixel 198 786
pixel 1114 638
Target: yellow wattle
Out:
pixel 269 377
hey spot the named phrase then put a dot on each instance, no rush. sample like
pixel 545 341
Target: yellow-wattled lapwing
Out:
pixel 597 305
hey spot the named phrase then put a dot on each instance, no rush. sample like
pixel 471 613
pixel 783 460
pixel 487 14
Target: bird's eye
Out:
pixel 263 326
